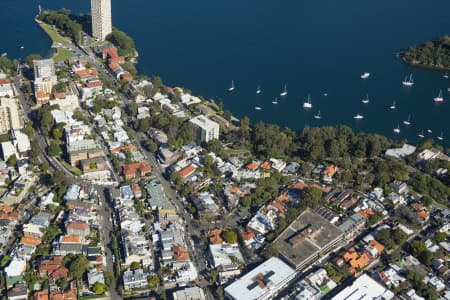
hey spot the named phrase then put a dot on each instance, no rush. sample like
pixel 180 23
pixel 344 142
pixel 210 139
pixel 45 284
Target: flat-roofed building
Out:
pixel 207 130
pixel 263 282
pixel 309 236
pixel 364 288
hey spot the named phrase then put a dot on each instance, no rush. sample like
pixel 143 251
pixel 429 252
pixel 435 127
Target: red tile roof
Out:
pixel 77 226
pixel 189 170
pixel 248 235
pixel 130 170
pixel 30 241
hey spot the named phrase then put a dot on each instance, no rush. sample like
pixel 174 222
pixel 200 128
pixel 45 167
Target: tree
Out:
pixel 135 265
pixel 417 247
pixel 57 133
pixel 122 41
pixel 229 236
pixel 132 108
pixel 29 59
pixel 62 283
pixel 269 251
pixel 153 282
pixel 54 149
pixel 78 266
pixel 245 128
pixel 440 236
pixel 311 196
pixel 12 160
pixel 99 288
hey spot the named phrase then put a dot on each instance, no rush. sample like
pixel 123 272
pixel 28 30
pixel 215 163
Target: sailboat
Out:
pixel 365 100
pixel 441 137
pixel 397 129
pixel 258 90
pixel 358 117
pixel 318 115
pixel 231 88
pixel 365 75
pixel 392 106
pixel 439 98
pixel 421 135
pixel 308 103
pixel 408 121
pixel 275 101
pixel 408 81
pixel 446 75
pixel 284 92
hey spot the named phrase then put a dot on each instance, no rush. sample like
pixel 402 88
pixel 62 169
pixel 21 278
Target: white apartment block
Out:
pixel 44 68
pixel 9 115
pixel 207 130
pixel 101 18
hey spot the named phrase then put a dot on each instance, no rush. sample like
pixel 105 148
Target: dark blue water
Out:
pixel 312 46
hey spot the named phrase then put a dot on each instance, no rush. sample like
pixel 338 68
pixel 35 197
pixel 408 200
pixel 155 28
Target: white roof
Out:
pixel 276 274
pixel 364 287
pixel 16 267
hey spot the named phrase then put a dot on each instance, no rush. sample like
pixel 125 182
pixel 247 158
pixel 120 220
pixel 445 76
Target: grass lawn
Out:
pixel 237 152
pixel 73 170
pixel 53 33
pixel 62 54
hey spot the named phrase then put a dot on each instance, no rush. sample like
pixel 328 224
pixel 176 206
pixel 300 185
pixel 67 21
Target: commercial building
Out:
pixel 263 282
pixel 364 288
pixel 207 130
pixel 44 68
pixel 309 236
pixel 101 18
pixel 192 293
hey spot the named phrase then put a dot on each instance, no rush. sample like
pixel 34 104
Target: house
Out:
pixel 18 292
pixel 134 170
pixel 134 279
pixel 214 236
pixel 53 268
pixel 191 293
pixel 70 294
pixel 136 191
pixel 77 228
pixel 95 276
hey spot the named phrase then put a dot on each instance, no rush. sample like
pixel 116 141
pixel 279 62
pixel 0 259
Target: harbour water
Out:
pixel 314 47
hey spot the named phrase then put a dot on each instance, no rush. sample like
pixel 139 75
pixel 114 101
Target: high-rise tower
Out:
pixel 101 18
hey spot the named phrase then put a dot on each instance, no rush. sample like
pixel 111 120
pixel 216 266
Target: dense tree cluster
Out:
pixel 7 65
pixel 61 20
pixel 122 41
pixel 430 54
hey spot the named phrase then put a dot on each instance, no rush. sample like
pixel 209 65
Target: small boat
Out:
pixel 275 101
pixel 408 121
pixel 446 75
pixel 392 107
pixel 429 131
pixel 365 100
pixel 365 75
pixel 258 90
pixel 421 135
pixel 408 81
pixel 4 54
pixel 231 88
pixel 448 90
pixel 441 137
pixel 358 117
pixel 318 115
pixel 439 98
pixel 325 94
pixel 258 107
pixel 308 103
pixel 22 47
pixel 397 129
pixel 284 92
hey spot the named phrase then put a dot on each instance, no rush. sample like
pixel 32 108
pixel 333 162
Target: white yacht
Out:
pixel 408 81
pixel 392 107
pixel 258 107
pixel 365 100
pixel 397 129
pixel 326 94
pixel 4 54
pixel 429 131
pixel 258 90
pixel 318 115
pixel 408 121
pixel 446 75
pixel 284 92
pixel 231 88
pixel 441 137
pixel 275 101
pixel 421 135
pixel 358 117
pixel 22 47
pixel 308 103
pixel 365 75
pixel 439 98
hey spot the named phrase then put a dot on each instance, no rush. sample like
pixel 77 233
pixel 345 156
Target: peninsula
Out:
pixel 432 54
